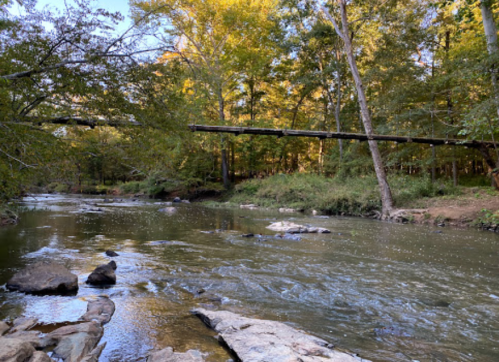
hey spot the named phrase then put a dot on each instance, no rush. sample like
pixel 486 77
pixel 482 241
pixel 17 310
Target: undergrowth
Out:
pixel 350 196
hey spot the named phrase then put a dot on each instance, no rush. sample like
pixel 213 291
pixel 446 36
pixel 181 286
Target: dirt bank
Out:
pixel 457 210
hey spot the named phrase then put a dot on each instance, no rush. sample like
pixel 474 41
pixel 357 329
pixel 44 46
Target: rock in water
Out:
pixel 76 341
pixel 14 350
pixel 111 253
pixel 168 210
pixel 177 199
pixel 103 274
pixel 95 354
pixel 255 340
pixel 100 310
pixel 44 278
pixel 292 228
pixel 167 355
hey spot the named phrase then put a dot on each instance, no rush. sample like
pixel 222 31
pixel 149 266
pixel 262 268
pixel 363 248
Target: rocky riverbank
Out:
pixel 247 339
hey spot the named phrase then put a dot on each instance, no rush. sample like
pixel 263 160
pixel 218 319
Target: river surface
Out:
pixel 388 292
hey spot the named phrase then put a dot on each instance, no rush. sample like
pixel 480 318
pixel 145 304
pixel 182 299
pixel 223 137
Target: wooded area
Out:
pixel 417 72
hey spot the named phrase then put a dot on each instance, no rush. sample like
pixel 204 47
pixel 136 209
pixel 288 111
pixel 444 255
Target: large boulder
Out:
pixel 75 342
pixel 14 350
pixel 255 340
pixel 44 278
pixel 103 274
pixel 167 355
pixel 100 310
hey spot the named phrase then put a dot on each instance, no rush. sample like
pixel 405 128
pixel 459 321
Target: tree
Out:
pixel 61 68
pixel 218 40
pixel 345 34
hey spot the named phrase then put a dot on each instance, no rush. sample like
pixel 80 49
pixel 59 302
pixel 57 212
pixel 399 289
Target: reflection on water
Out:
pixel 388 292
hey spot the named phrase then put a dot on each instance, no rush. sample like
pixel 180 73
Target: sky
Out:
pixel 110 5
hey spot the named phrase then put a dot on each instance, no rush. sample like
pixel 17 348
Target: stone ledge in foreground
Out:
pixel 256 340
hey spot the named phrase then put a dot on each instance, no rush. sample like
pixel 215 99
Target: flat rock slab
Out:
pixel 292 228
pixel 44 278
pixel 167 355
pixel 100 310
pixel 255 340
pixel 23 324
pixel 103 274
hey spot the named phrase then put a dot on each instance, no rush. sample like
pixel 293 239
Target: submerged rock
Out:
pixel 253 340
pixel 288 236
pixel 167 355
pixel 103 274
pixel 100 310
pixel 391 331
pixel 292 228
pixel 111 253
pixel 44 278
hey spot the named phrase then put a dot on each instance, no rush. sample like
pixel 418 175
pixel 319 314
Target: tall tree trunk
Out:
pixel 449 112
pixel 223 145
pixel 384 187
pixel 490 29
pixel 337 108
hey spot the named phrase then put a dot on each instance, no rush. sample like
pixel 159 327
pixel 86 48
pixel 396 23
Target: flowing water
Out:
pixel 389 292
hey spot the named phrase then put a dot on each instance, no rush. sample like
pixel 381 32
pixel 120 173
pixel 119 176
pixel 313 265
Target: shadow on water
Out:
pixel 386 291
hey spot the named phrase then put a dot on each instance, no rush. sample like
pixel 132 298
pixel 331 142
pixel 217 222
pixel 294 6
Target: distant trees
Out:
pixel 404 67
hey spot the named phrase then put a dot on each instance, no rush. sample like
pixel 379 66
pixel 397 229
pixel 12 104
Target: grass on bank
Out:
pixel 350 196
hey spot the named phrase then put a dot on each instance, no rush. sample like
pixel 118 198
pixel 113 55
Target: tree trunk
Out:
pixel 384 187
pixel 491 165
pixel 225 161
pixel 490 29
pixel 337 108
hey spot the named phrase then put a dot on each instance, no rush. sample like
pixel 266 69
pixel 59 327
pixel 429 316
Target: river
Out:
pixel 388 292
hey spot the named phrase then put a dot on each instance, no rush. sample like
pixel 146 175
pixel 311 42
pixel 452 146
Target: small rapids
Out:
pixel 388 292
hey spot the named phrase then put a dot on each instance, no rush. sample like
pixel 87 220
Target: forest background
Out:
pixel 93 102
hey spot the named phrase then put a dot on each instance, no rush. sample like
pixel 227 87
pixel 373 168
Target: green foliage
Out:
pixel 487 219
pixel 350 196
